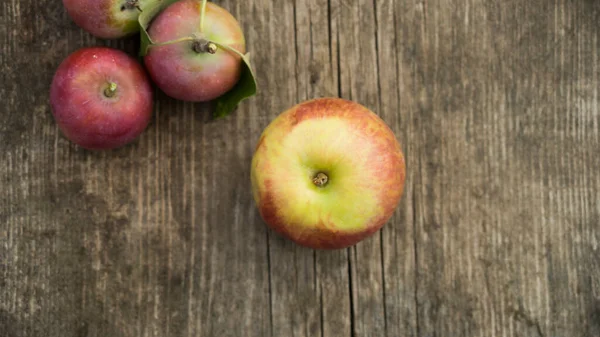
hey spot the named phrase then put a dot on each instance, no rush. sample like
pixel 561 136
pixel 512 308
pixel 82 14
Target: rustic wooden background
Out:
pixel 496 104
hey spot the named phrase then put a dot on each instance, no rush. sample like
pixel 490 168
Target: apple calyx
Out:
pixel 320 179
pixel 131 4
pixel 110 91
pixel 204 46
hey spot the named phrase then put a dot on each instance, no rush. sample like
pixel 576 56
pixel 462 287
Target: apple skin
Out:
pixel 183 73
pixel 84 113
pixel 356 150
pixel 107 19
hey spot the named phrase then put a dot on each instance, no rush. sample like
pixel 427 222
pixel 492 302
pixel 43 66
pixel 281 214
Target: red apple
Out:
pixel 327 173
pixel 195 69
pixel 101 98
pixel 108 19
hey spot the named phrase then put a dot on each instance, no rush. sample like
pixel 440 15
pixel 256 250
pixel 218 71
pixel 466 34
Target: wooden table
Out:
pixel 496 104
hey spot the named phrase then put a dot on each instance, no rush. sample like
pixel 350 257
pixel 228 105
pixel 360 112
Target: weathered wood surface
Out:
pixel 498 234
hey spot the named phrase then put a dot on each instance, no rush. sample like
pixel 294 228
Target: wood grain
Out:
pixel 495 104
pixel 502 192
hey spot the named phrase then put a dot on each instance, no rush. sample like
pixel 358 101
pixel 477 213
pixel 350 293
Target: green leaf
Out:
pixel 144 20
pixel 246 87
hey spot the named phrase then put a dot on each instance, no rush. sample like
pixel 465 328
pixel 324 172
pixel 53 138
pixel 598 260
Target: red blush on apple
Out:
pixel 101 98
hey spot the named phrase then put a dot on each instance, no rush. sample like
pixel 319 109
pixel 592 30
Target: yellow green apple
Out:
pixel 327 173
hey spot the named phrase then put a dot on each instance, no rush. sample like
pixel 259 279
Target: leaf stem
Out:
pixel 202 14
pixel 181 39
pixel 224 46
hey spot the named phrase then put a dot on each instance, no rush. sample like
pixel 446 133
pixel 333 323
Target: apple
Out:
pixel 101 98
pixel 108 19
pixel 195 68
pixel 327 173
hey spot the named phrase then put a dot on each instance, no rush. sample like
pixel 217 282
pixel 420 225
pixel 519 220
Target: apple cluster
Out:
pixel 102 98
pixel 326 173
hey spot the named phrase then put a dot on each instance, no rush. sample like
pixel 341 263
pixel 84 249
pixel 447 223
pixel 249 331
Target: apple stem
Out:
pixel 231 49
pixel 204 46
pixel 110 90
pixel 185 38
pixel 320 179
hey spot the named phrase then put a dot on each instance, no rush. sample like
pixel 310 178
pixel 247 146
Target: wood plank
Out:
pixel 398 86
pixel 320 78
pixel 359 81
pixel 307 299
pixel 294 298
